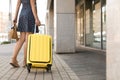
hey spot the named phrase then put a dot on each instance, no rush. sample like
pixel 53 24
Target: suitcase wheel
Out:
pixel 29 67
pixel 48 67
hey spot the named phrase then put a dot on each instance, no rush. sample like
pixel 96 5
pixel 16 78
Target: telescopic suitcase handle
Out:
pixel 35 29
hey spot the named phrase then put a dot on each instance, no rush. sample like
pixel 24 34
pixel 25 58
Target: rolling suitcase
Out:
pixel 39 51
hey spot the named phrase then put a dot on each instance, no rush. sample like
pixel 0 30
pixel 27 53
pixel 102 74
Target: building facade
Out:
pixel 3 22
pixel 88 23
pixel 79 23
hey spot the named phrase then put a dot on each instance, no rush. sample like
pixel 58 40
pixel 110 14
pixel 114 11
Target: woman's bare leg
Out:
pixel 25 47
pixel 18 47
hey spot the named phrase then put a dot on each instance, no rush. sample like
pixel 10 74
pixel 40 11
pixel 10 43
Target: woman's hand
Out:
pixel 37 22
pixel 15 21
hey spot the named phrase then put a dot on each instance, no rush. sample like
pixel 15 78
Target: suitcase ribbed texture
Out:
pixel 39 49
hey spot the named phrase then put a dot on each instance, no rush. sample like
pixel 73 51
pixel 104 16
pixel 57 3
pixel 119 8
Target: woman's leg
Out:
pixel 18 47
pixel 25 47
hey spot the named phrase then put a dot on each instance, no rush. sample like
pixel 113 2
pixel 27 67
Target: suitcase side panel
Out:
pixel 39 49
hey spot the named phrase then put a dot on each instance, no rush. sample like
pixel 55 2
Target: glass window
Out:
pixel 82 25
pixel 104 26
pixel 89 29
pixel 97 25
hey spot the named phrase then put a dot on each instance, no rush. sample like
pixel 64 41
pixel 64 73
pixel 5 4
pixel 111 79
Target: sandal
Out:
pixel 14 63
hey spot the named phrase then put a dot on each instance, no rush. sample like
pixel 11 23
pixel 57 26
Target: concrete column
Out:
pixel 64 26
pixel 50 27
pixel 113 39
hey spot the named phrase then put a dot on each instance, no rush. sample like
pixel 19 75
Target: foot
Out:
pixel 24 63
pixel 14 63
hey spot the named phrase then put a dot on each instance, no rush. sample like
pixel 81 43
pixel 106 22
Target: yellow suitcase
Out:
pixel 39 51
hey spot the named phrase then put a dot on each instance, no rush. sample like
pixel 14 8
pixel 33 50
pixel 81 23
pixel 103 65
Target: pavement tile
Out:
pixel 83 65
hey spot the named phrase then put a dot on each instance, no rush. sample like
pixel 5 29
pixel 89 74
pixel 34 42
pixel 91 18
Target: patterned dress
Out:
pixel 26 21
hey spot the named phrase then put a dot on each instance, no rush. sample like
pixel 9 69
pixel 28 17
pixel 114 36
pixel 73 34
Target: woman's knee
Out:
pixel 22 39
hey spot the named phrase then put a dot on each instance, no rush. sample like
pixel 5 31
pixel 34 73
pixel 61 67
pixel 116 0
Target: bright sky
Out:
pixel 41 7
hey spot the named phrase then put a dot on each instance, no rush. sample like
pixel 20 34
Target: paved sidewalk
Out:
pixel 60 70
pixel 85 64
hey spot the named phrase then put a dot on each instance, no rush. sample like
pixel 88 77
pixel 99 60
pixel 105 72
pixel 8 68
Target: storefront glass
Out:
pixel 97 25
pixel 82 38
pixel 93 33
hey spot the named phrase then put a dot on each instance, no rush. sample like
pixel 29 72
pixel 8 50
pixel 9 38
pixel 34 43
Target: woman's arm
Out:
pixel 34 10
pixel 17 10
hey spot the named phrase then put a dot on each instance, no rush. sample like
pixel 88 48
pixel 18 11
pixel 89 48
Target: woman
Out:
pixel 27 20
